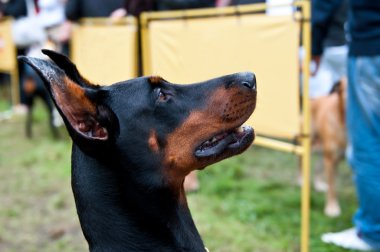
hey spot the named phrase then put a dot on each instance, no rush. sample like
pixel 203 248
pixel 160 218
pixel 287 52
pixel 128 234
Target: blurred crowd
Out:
pixel 48 23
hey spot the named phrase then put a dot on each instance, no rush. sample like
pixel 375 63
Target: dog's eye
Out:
pixel 161 95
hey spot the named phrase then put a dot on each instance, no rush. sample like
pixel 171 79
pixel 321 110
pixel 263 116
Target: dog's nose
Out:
pixel 249 80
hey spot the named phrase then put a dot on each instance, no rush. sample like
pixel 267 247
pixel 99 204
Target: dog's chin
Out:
pixel 225 144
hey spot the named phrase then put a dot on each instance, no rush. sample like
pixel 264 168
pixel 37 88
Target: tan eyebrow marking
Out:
pixel 154 80
pixel 153 142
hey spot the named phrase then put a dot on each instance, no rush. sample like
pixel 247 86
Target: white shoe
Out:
pixel 347 239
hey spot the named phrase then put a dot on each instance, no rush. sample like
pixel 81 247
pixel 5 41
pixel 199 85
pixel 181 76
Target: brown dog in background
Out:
pixel 329 141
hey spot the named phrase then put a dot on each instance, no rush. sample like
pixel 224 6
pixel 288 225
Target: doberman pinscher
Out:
pixel 133 144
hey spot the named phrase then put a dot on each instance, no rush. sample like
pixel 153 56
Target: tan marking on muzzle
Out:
pixel 225 109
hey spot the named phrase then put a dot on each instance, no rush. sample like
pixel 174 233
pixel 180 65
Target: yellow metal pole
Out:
pixel 144 23
pixel 305 194
pixel 278 145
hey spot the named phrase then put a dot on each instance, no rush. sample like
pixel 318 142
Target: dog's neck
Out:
pixel 117 215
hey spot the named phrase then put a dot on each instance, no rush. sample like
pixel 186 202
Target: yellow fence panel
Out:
pixel 105 52
pixel 190 50
pixel 7 48
pixel 8 58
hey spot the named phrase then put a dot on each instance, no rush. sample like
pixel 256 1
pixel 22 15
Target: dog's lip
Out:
pixel 235 139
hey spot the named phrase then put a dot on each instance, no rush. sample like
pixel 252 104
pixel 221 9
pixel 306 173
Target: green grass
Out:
pixel 246 203
pixel 5 94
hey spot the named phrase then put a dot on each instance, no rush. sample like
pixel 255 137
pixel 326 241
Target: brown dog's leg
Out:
pixel 319 181
pixel 332 208
pixel 320 184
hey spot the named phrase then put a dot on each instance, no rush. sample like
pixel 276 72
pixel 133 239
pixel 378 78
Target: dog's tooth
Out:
pixel 240 129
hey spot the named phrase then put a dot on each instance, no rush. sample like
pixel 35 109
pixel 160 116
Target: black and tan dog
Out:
pixel 134 143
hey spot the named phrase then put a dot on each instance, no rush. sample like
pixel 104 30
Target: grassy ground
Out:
pixel 247 203
pixel 5 94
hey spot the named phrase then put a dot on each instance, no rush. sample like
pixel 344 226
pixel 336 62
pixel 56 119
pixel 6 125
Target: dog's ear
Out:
pixel 68 67
pixel 77 99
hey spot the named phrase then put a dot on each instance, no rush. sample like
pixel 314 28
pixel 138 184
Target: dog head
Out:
pixel 149 126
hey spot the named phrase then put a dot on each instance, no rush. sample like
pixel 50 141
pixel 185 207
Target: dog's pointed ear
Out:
pixel 68 67
pixel 76 99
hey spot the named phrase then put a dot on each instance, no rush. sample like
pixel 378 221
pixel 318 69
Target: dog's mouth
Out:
pixel 230 142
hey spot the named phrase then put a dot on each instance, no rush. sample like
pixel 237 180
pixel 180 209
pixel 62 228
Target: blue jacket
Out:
pixel 363 25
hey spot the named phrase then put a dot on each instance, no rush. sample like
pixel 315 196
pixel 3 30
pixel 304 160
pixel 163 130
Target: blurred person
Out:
pixel 48 13
pixel 183 4
pixel 77 9
pixel 49 16
pixel 13 8
pixel 136 7
pixel 363 116
pixel 329 50
pixel 222 3
pixel 33 20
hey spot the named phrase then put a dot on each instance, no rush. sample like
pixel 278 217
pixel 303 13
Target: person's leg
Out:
pixel 363 130
pixel 363 124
